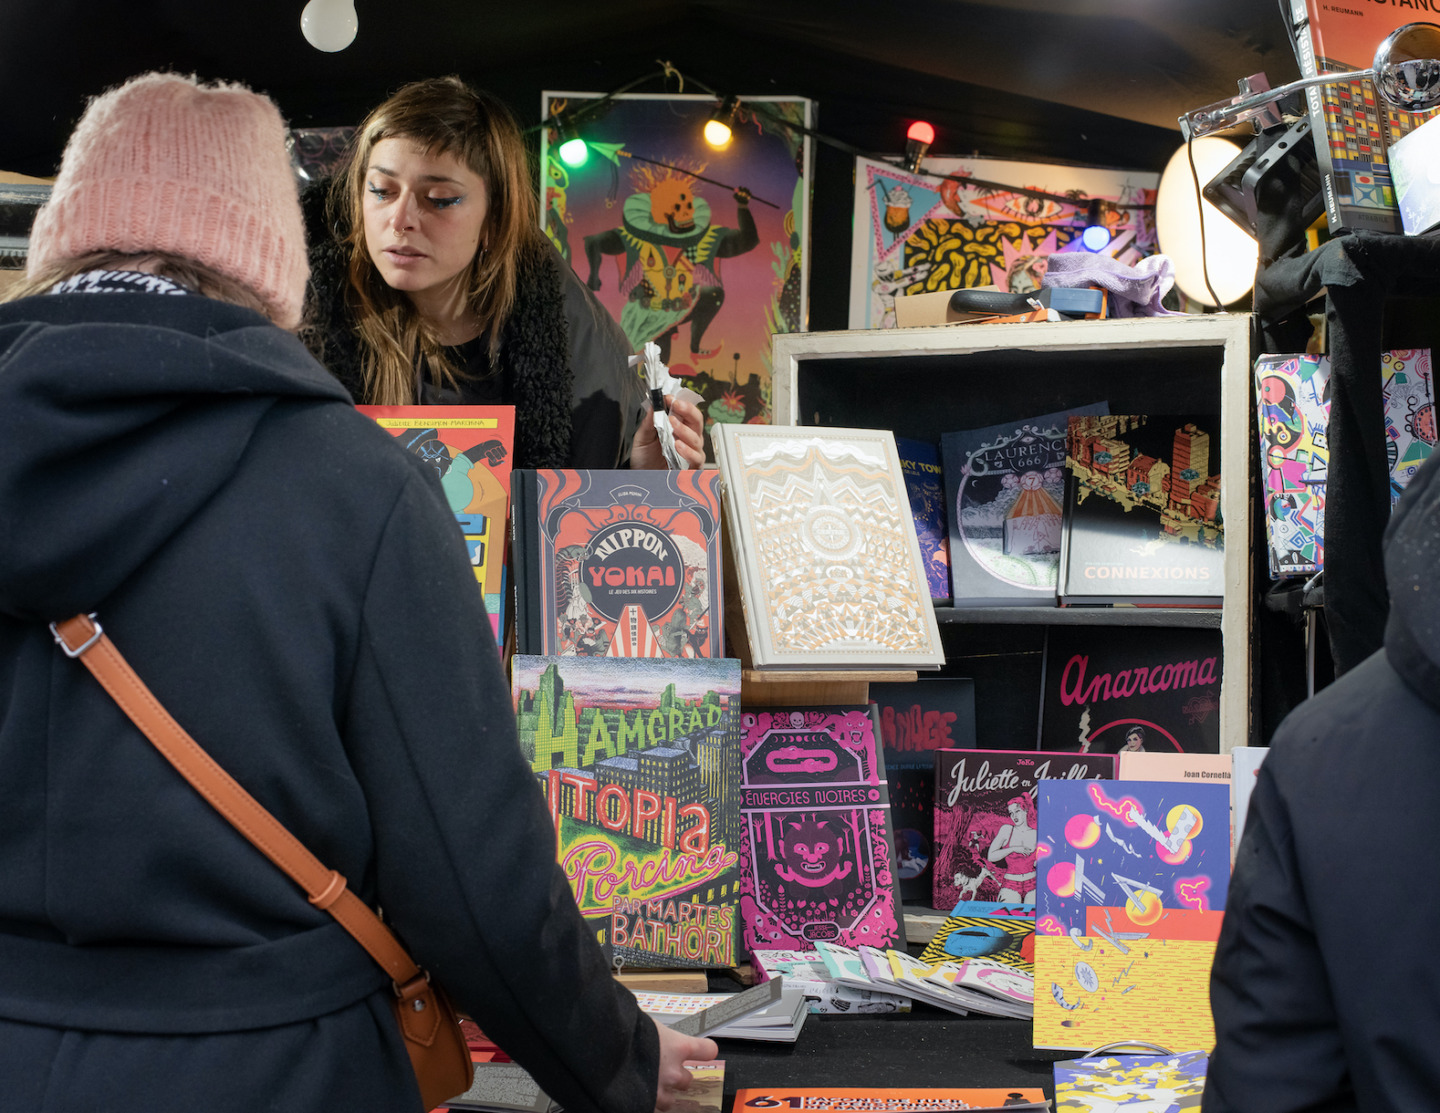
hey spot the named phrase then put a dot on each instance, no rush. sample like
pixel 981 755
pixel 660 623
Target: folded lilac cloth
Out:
pixel 1135 291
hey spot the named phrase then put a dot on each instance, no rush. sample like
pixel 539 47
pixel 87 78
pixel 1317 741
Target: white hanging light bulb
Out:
pixel 329 25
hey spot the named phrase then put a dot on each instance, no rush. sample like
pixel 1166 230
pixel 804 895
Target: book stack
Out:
pixel 807 972
pixel 771 1012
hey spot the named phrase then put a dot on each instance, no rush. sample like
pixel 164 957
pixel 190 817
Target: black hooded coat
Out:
pixel 292 587
pixel 1324 988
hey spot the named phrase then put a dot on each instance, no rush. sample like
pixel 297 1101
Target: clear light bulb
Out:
pixel 329 25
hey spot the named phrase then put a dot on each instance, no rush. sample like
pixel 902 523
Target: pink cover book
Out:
pixel 816 844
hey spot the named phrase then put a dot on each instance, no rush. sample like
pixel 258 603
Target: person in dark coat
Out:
pixel 1323 989
pixel 433 284
pixel 292 586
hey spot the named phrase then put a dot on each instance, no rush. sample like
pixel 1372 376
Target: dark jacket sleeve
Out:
pixel 1278 1042
pixel 464 848
pixel 608 392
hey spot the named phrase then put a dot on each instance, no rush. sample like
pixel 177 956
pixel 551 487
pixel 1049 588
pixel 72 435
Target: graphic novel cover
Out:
pixel 619 563
pixel 916 719
pixel 1108 1083
pixel 1353 127
pixel 1111 688
pixel 1245 764
pixel 985 819
pixel 924 483
pixel 1133 882
pixel 816 843
pixel 1292 397
pixel 992 930
pixel 825 549
pixel 1005 489
pixel 1142 516
pixel 1408 392
pixel 639 761
pixel 835 1099
pixel 470 448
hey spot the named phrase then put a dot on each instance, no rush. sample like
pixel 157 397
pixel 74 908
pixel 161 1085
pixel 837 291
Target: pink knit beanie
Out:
pixel 163 163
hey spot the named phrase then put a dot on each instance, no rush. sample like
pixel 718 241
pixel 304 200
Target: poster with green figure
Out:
pixel 698 249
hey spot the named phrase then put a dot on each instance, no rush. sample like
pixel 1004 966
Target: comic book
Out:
pixel 1352 125
pixel 470 448
pixel 1133 878
pixel 916 719
pixel 924 483
pixel 931 1099
pixel 816 843
pixel 985 819
pixel 1292 397
pixel 1408 393
pixel 807 972
pixel 1142 511
pixel 1110 688
pixel 1004 487
pixel 618 563
pixel 1107 1083
pixel 639 761
pixel 1003 933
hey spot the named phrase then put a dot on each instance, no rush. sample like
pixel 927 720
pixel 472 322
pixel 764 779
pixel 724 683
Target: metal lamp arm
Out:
pixel 1227 113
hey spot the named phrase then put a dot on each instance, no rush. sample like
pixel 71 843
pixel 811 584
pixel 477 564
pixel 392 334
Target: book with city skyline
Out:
pixel 816 844
pixel 639 762
pixel 618 563
pixel 1142 511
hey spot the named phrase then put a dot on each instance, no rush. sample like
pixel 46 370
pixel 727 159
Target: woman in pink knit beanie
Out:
pixel 279 573
pixel 166 176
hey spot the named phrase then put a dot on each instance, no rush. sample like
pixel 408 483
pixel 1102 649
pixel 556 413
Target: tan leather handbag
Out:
pixel 428 1021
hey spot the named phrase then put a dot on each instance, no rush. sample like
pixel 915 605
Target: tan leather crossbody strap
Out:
pixel 82 637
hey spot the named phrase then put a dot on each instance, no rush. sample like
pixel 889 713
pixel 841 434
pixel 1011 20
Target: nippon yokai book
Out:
pixel 993 930
pixel 825 549
pixel 1407 390
pixel 985 819
pixel 1005 490
pixel 925 484
pixel 916 719
pixel 816 842
pixel 1109 1083
pixel 1112 689
pixel 1292 399
pixel 639 763
pixel 1133 879
pixel 618 563
pixel 1142 511
pixel 470 448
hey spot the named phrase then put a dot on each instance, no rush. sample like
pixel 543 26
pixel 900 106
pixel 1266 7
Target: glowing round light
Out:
pixel 329 25
pixel 717 133
pixel 1095 238
pixel 574 152
pixel 1061 879
pixel 1231 254
pixel 1082 831
pixel 921 132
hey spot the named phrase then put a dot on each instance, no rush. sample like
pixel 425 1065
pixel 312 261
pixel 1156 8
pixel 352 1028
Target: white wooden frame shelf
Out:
pixel 923 382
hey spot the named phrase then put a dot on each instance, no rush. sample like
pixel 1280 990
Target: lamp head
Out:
pixel 918 137
pixel 718 129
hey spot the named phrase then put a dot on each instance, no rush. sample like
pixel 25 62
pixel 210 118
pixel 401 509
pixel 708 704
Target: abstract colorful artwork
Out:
pixel 919 233
pixel 1132 882
pixel 699 250
pixel 1292 398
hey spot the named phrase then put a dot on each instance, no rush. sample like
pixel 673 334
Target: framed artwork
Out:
pixel 919 233
pixel 702 251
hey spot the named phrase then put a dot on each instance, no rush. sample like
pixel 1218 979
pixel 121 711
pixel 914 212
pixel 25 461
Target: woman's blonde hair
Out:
pixel 444 116
pixel 194 276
